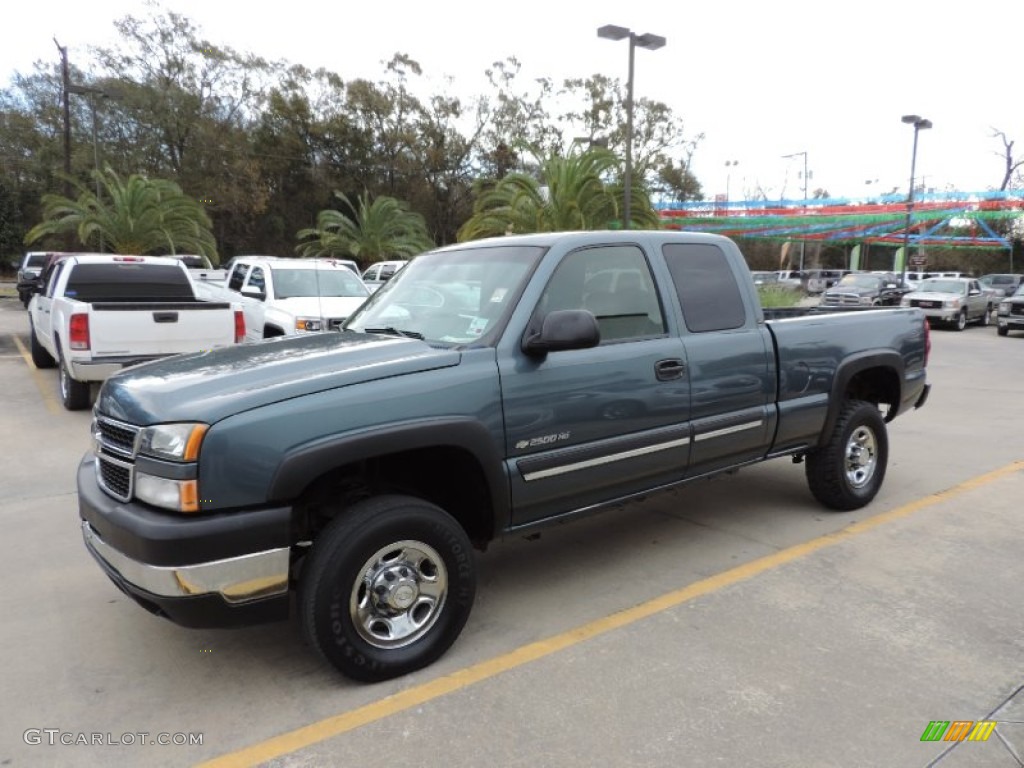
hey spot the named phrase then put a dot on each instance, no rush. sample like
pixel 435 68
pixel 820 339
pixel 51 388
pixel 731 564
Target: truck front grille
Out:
pixel 115 477
pixel 116 436
pixel 116 444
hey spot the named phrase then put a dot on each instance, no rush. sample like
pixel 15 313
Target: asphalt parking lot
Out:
pixel 730 622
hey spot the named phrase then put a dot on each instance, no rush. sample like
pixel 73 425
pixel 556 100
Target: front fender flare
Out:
pixel 303 464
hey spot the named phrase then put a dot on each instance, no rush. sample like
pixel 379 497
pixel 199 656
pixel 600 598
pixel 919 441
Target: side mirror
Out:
pixel 562 330
pixel 254 292
pixel 974 292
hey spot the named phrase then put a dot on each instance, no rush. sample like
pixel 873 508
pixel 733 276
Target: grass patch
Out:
pixel 778 296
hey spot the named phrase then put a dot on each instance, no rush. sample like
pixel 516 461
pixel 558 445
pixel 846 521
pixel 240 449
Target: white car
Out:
pixel 377 274
pixel 287 296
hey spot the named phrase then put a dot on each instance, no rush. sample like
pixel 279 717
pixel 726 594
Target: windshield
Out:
pixel 332 282
pixel 938 285
pixel 860 281
pixel 452 297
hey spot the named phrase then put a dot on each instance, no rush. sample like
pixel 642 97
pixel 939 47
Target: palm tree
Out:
pixel 572 193
pixel 137 216
pixel 385 228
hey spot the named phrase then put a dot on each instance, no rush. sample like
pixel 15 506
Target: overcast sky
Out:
pixel 759 79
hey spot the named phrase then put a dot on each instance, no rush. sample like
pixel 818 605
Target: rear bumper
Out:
pixel 101 370
pixel 218 570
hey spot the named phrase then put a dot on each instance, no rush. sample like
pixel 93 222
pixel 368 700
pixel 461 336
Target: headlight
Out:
pixel 951 303
pixel 177 442
pixel 179 495
pixel 866 300
pixel 1004 308
pixel 307 324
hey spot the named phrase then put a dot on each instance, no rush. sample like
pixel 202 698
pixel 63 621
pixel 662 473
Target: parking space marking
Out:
pixel 314 733
pixel 45 388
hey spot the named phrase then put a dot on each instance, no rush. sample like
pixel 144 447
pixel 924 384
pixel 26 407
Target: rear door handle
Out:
pixel 668 370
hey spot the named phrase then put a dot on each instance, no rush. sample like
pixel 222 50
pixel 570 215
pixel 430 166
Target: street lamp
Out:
pixel 729 164
pixel 651 43
pixel 92 93
pixel 786 157
pixel 920 124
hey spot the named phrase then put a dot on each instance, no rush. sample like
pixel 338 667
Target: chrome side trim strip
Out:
pixel 729 430
pixel 542 473
pixel 236 579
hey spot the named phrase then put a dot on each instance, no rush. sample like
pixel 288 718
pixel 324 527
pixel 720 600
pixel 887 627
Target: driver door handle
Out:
pixel 670 369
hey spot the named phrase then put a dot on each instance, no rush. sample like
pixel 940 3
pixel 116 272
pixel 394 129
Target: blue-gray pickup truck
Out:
pixel 489 389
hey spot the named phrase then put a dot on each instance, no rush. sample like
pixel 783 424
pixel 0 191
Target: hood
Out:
pixel 851 290
pixel 321 306
pixel 212 385
pixel 933 296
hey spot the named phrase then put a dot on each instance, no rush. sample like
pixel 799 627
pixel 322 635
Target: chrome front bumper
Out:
pixel 236 580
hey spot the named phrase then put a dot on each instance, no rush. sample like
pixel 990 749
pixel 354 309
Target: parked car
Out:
pixel 358 469
pixel 865 289
pixel 30 273
pixel 956 301
pixel 286 296
pixel 99 314
pixel 765 278
pixel 1001 284
pixel 794 278
pixel 1011 313
pixel 377 274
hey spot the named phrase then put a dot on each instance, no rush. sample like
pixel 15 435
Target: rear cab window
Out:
pixel 131 281
pixel 708 291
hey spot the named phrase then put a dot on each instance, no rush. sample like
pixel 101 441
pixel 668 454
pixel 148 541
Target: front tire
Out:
pixel 388 587
pixel 1003 330
pixel 987 317
pixel 847 472
pixel 961 320
pixel 74 394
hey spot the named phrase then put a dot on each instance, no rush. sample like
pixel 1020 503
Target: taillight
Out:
pixel 78 332
pixel 239 326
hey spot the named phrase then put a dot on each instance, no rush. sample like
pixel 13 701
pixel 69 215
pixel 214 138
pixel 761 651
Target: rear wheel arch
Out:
pixel 871 377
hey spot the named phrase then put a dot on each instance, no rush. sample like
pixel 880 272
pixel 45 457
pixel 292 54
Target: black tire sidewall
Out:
pixel 826 473
pixel 337 561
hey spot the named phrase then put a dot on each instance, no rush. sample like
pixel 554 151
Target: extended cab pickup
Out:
pixel 98 314
pixel 283 296
pixel 491 388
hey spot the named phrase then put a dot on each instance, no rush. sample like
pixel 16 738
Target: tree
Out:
pixel 572 193
pixel 385 228
pixel 137 216
pixel 1012 165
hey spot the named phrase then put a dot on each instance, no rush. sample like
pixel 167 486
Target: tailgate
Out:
pixel 163 328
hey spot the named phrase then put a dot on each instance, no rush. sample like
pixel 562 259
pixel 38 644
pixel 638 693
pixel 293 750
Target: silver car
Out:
pixel 953 300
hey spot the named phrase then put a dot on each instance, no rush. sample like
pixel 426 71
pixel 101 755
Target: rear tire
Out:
pixel 388 587
pixel 40 357
pixel 74 394
pixel 847 472
pixel 987 317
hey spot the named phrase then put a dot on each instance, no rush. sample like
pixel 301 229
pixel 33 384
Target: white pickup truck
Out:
pixel 285 296
pixel 95 316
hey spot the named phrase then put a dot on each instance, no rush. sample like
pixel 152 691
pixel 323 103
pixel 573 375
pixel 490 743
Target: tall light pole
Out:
pixel 920 124
pixel 729 164
pixel 651 43
pixel 797 154
pixel 92 93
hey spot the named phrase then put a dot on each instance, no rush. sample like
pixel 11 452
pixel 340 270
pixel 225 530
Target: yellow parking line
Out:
pixel 45 388
pixel 314 733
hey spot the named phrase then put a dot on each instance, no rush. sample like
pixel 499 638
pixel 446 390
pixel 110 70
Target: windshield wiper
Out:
pixel 392 331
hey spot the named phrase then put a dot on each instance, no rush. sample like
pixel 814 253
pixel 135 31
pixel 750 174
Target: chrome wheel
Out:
pixel 861 457
pixel 399 594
